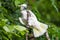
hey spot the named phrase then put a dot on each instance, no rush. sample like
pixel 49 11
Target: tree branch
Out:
pixel 47 35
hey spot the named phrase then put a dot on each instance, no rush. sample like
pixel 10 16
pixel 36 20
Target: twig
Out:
pixel 47 35
pixel 27 36
pixel 32 36
pixel 57 38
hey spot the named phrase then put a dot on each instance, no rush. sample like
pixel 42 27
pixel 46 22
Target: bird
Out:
pixel 38 27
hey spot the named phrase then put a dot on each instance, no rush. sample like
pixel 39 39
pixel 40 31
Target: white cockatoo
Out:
pixel 38 28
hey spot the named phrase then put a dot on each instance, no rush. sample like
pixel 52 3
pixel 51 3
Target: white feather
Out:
pixel 20 19
pixel 42 28
pixel 38 28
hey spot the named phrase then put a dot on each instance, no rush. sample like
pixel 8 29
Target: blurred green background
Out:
pixel 46 11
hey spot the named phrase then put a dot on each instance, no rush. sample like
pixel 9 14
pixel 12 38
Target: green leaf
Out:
pixel 19 28
pixel 11 28
pixel 6 29
pixel 17 2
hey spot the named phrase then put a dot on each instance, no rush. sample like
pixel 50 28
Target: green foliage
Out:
pixel 46 11
pixel 17 2
pixel 10 28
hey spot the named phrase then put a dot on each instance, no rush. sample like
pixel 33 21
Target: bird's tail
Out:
pixel 41 30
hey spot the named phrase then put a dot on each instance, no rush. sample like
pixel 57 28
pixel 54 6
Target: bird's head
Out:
pixel 23 6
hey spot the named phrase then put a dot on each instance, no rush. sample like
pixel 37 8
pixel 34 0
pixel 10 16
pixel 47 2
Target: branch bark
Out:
pixel 27 36
pixel 57 37
pixel 47 35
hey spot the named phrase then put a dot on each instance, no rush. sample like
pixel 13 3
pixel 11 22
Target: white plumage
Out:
pixel 38 27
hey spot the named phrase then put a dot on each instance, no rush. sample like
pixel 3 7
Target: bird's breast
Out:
pixel 24 14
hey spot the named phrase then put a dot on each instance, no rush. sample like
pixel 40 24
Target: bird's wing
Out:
pixel 32 14
pixel 20 19
pixel 44 26
pixel 41 30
